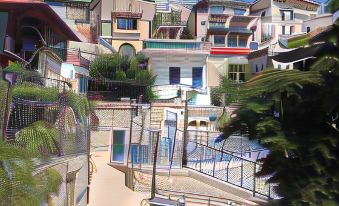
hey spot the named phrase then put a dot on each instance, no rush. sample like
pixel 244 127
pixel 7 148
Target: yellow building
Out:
pixel 124 24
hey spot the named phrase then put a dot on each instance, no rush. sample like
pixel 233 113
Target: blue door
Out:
pixel 118 148
pixel 197 77
pixel 174 75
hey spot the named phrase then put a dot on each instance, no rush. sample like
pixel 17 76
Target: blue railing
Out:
pixel 172 44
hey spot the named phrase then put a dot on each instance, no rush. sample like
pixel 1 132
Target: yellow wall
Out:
pixel 136 44
pixel 142 29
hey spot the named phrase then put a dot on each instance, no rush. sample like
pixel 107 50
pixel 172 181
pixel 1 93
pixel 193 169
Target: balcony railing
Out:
pixel 173 44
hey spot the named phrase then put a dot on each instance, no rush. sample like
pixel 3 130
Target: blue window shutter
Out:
pixel 174 75
pixel 197 77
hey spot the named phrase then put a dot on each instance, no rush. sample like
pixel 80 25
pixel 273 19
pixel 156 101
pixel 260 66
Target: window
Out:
pixel 217 10
pixel 263 13
pixel 219 39
pixel 308 29
pixel 106 29
pixel 197 77
pixel 286 15
pixel 174 75
pixel 127 50
pixel 239 12
pixel 291 29
pixel 243 41
pixel 236 72
pixel 232 41
pixel 127 24
pixel 203 22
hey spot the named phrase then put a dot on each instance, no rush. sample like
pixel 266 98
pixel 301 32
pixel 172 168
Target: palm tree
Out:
pixel 295 114
pixel 18 185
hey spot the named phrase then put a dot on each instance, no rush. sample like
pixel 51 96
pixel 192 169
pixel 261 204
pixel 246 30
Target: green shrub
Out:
pixel 39 139
pixel 145 77
pixel 15 67
pixel 78 103
pixel 120 75
pixel 223 121
pixel 150 94
pixel 35 92
pixel 141 57
pixel 216 99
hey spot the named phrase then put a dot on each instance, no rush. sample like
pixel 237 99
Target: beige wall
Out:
pixel 317 22
pixel 217 67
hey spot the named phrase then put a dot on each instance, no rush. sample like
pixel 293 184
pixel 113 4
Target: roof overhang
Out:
pixel 229 51
pixel 45 10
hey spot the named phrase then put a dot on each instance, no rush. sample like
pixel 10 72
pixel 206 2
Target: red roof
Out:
pixel 229 51
pixel 41 11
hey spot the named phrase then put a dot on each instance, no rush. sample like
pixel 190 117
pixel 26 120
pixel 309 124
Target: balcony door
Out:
pixel 197 77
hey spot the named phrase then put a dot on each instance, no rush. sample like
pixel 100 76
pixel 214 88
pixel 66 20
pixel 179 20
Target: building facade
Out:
pixel 122 24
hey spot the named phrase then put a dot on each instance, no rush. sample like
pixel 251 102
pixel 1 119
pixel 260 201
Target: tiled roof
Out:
pixel 258 53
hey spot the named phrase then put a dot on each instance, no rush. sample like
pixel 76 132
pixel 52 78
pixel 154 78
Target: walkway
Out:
pixel 108 185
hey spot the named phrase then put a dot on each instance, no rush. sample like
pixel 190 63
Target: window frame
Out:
pixel 237 72
pixel 127 23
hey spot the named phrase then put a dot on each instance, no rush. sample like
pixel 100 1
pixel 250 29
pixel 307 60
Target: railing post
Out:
pixel 155 166
pixel 201 153
pixel 242 172
pixel 215 157
pixel 254 171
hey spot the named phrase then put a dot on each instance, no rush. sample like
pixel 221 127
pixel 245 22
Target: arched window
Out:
pixel 127 50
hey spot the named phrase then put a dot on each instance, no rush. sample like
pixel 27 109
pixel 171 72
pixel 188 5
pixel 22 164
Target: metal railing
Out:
pixel 229 168
pixel 172 44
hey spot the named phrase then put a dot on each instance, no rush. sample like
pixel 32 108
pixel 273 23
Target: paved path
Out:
pixel 108 185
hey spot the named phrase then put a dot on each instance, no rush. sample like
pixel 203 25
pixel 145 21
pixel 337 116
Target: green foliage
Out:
pixel 107 65
pixel 223 121
pixel 150 95
pixel 141 57
pixel 145 77
pixel 299 41
pixel 230 89
pixel 15 67
pixel 78 103
pixel 186 34
pixel 39 139
pixel 333 5
pixel 3 94
pixel 216 96
pixel 120 75
pixel 35 92
pixel 18 185
pixel 293 114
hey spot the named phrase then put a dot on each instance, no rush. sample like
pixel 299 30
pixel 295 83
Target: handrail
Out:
pixel 204 197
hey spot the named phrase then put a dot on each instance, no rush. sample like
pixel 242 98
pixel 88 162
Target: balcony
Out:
pixel 173 44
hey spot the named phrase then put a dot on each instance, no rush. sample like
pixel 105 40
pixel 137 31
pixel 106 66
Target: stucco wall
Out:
pixel 160 61
pixel 136 44
pixel 316 23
